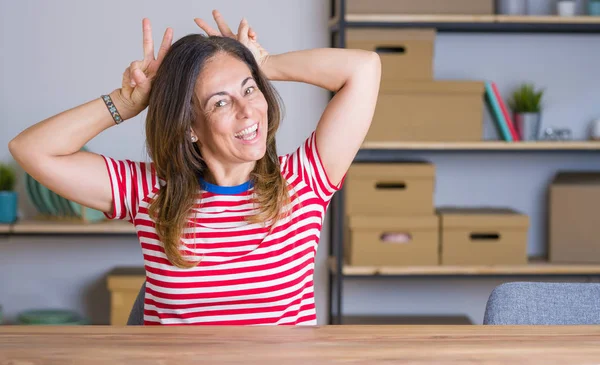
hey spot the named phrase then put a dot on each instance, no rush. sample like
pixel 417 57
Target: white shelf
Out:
pixel 534 267
pixel 487 145
pixel 70 227
pixel 466 18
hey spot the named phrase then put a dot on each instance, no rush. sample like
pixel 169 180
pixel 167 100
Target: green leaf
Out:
pixel 525 99
pixel 8 178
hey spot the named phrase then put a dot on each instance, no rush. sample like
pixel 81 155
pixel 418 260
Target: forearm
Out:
pixel 66 132
pixel 329 68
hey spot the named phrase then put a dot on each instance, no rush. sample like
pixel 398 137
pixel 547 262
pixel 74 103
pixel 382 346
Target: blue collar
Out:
pixel 224 190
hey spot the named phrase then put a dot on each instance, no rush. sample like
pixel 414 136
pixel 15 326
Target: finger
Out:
pixel 243 31
pixel 148 43
pixel 207 28
pixel 252 34
pixel 129 78
pixel 127 81
pixel 140 79
pixel 134 73
pixel 223 27
pixel 165 45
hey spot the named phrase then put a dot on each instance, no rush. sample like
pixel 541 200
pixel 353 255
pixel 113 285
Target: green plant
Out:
pixel 8 178
pixel 526 99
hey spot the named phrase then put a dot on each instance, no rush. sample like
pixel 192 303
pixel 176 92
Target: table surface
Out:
pixel 348 344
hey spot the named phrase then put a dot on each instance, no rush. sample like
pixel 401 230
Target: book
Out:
pixel 496 112
pixel 507 119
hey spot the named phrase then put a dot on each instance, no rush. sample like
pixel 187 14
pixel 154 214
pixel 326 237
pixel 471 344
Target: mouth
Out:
pixel 248 134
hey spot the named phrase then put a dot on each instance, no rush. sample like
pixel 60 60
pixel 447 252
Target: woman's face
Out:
pixel 232 128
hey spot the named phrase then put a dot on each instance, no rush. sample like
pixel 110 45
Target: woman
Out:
pixel 228 229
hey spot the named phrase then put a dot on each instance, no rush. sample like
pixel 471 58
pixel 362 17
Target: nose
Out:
pixel 244 109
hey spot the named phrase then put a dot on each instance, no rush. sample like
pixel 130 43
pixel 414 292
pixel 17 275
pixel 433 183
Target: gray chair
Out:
pixel 533 303
pixel 136 316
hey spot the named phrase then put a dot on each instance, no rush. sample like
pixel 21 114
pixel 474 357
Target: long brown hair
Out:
pixel 178 161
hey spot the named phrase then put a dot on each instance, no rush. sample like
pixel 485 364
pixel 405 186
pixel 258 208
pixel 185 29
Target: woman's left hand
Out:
pixel 246 35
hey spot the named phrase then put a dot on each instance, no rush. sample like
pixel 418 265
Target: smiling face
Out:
pixel 232 125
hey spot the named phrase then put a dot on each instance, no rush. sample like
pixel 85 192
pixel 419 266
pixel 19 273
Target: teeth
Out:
pixel 250 130
pixel 250 136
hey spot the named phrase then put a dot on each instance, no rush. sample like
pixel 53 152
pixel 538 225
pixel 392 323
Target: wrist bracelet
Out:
pixel 112 109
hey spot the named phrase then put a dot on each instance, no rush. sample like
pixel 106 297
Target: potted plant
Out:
pixel 566 7
pixel 594 7
pixel 8 195
pixel 526 104
pixel 512 7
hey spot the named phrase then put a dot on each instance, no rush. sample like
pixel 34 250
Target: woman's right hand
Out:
pixel 137 78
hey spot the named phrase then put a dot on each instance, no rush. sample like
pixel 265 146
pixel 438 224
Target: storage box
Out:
pixel 428 111
pixel 392 240
pixel 574 217
pixel 404 53
pixel 457 7
pixel 124 284
pixel 398 188
pixel 483 236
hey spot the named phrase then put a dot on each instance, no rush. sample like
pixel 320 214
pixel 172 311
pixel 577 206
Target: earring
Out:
pixel 194 138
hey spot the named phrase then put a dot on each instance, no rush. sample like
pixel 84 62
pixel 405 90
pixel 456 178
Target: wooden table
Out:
pixel 300 345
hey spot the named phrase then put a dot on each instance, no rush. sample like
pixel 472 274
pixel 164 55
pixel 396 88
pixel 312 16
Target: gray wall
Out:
pixel 63 53
pixel 59 54
pixel 562 64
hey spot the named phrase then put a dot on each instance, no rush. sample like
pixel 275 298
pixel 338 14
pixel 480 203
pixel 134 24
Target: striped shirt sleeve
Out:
pixel 306 163
pixel 130 183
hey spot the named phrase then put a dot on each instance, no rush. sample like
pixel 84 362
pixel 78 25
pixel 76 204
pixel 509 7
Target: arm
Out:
pixel 50 150
pixel 354 76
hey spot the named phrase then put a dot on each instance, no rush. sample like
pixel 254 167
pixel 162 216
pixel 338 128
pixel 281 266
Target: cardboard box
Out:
pixel 574 217
pixel 483 236
pixel 397 188
pixel 406 54
pixel 124 284
pixel 392 240
pixel 428 111
pixel 456 7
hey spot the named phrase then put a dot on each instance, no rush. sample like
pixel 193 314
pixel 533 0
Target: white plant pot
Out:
pixel 541 7
pixel 566 7
pixel 595 130
pixel 512 7
pixel 528 125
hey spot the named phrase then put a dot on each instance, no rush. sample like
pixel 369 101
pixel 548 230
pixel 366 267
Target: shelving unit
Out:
pixel 381 151
pixel 485 146
pixel 4 228
pixel 57 227
pixel 534 267
pixel 471 23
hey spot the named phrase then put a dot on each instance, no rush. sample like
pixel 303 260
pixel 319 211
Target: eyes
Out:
pixel 248 91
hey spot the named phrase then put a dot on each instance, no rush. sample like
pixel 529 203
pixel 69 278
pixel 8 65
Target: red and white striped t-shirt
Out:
pixel 246 276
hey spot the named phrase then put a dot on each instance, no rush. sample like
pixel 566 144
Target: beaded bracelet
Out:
pixel 112 109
